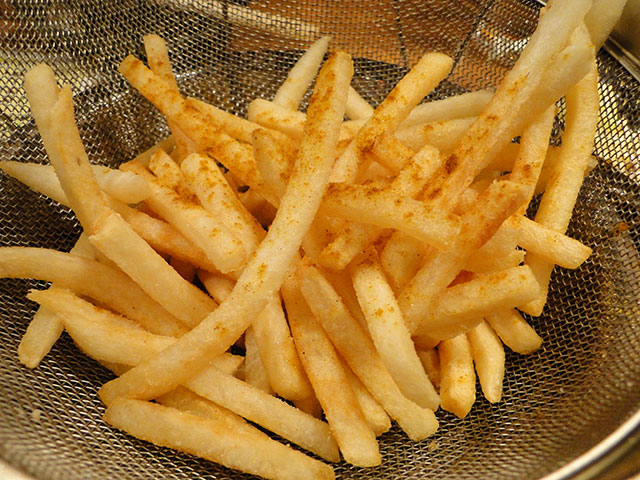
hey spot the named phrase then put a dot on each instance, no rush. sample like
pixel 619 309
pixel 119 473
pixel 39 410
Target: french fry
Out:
pixel 53 112
pixel 556 205
pixel 241 128
pixel 161 236
pixel 117 240
pixel 213 441
pixel 254 372
pixel 421 79
pixel 272 162
pixel 210 138
pixel 290 93
pixel 265 271
pixel 488 357
pixel 168 145
pixel 273 339
pixel 443 135
pixel 354 435
pixel 277 118
pixel 459 308
pixel 389 332
pixel 357 107
pixel 158 58
pixel 206 180
pixel 106 336
pixel 465 105
pixel 370 205
pixel 514 331
pixel 601 19
pixel 457 380
pixel 205 230
pixel 357 348
pixel 371 408
pixel 87 277
pixel 123 186
pixel 498 202
pixel 431 363
pixel 401 258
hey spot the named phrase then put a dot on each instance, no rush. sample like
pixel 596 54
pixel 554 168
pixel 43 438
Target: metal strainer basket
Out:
pixel 580 393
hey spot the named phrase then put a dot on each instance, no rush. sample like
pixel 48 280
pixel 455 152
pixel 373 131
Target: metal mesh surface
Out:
pixel 558 402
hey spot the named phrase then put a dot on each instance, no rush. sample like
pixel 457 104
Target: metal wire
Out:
pixel 558 403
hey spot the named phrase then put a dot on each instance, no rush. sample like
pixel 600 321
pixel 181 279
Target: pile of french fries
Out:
pixel 369 268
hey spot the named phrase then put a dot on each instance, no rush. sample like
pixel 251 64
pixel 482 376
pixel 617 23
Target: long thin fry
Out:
pixel 265 272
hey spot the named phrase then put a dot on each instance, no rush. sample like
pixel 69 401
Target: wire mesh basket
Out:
pixel 582 386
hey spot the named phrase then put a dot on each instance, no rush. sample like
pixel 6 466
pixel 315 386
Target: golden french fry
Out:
pixel 371 408
pixel 235 156
pixel 119 242
pixel 457 380
pixel 204 229
pixel 556 205
pixel 357 348
pixel 514 331
pixel 301 75
pixel 389 333
pixel 496 204
pixel 431 363
pixel 275 345
pixel 354 435
pixel 460 307
pixel 367 204
pixel 254 372
pixel 266 270
pixel 87 277
pixel 158 58
pixel 601 18
pixel 274 165
pixel 443 135
pixel 213 441
pixel 488 357
pixel 421 79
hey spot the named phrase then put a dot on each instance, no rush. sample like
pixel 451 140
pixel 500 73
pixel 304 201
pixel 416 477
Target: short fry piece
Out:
pixel 514 331
pixel 488 357
pixel 457 380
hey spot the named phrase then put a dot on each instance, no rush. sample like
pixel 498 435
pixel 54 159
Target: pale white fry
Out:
pixel 45 327
pixel 357 107
pixel 371 408
pixel 266 270
pixel 357 348
pixel 443 135
pixel 431 363
pixel 354 435
pixel 119 242
pixel 301 75
pixel 514 331
pixel 601 18
pixel 465 105
pixel 273 163
pixel 88 277
pixel 457 378
pixel 389 333
pixel 273 338
pixel 488 357
pixel 213 441
pixel 124 186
